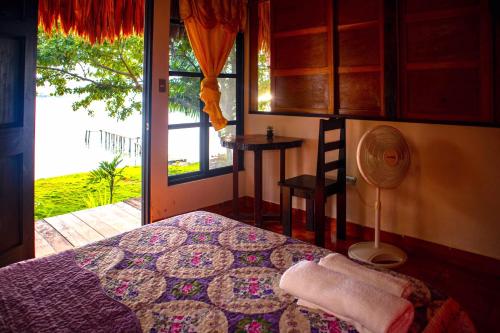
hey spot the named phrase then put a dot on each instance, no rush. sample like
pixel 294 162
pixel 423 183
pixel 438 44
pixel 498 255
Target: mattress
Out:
pixel 197 272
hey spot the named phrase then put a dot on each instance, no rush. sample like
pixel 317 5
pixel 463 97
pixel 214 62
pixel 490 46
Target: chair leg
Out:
pixel 286 211
pixel 319 220
pixel 341 216
pixel 310 214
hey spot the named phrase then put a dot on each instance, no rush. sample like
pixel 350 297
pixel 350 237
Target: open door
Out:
pixel 18 36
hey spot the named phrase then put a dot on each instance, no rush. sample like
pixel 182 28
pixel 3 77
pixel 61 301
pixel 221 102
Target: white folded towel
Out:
pixel 348 299
pixel 389 283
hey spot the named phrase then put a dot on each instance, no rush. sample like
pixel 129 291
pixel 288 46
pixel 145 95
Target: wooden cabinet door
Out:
pixel 445 60
pixel 365 64
pixel 302 75
pixel 496 32
pixel 18 33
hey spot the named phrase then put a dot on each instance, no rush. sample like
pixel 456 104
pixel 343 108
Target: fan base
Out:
pixel 385 255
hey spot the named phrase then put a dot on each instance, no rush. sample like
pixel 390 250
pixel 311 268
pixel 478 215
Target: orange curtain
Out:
pixel 95 20
pixel 211 26
pixel 264 34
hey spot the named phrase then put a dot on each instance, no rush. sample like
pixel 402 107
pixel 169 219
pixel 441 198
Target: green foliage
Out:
pixel 264 80
pixel 97 198
pixel 113 73
pixel 180 169
pixel 109 174
pixel 65 194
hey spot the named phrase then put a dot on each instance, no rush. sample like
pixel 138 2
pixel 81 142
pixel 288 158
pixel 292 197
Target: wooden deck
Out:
pixel 63 232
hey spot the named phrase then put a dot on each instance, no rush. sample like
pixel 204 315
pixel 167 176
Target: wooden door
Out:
pixel 18 33
pixel 445 60
pixel 302 77
pixel 365 57
pixel 496 33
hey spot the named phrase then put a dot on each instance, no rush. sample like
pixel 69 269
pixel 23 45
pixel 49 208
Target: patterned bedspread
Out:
pixel 197 272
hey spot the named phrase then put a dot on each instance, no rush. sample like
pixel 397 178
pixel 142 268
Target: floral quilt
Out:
pixel 197 272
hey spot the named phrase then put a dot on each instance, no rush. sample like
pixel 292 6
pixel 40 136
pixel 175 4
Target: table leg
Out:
pixel 282 177
pixel 286 211
pixel 258 187
pixel 236 212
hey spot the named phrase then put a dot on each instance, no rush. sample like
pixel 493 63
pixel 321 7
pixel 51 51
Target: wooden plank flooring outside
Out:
pixel 64 232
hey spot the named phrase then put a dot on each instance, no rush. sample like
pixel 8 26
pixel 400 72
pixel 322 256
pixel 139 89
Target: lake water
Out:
pixel 60 147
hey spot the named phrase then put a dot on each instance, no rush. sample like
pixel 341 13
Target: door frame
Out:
pixel 146 113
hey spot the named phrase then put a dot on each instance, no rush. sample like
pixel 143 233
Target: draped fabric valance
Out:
pixel 95 20
pixel 211 26
pixel 231 14
pixel 264 33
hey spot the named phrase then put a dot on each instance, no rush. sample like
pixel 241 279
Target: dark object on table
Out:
pixel 257 143
pixel 315 189
pixel 270 132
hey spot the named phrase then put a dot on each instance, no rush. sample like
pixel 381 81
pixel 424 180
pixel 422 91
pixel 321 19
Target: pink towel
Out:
pixel 391 284
pixel 352 300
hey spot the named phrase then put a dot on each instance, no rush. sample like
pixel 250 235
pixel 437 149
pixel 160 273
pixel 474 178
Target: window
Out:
pixel 194 149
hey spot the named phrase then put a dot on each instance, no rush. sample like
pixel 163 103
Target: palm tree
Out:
pixel 109 173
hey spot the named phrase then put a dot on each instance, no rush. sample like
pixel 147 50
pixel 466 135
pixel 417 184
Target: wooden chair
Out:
pixel 315 189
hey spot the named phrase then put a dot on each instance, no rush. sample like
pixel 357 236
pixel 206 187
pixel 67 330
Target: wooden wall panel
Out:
pixel 451 94
pixel 496 33
pixel 311 53
pixel 360 66
pixel 447 39
pixel 417 6
pixel 360 92
pixel 359 47
pixel 297 14
pixel 445 60
pixel 357 11
pixel 304 92
pixel 302 72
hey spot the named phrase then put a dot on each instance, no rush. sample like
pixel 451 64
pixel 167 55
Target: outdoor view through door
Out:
pixel 88 138
pixel 194 149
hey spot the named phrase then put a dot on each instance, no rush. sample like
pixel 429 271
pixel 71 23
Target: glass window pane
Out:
pixel 218 155
pixel 264 81
pixel 181 54
pixel 184 100
pixel 228 97
pixel 230 66
pixel 183 151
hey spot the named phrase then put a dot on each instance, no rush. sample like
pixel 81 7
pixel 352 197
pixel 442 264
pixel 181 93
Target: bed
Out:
pixel 197 272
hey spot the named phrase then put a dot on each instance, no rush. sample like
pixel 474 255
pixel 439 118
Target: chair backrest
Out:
pixel 339 164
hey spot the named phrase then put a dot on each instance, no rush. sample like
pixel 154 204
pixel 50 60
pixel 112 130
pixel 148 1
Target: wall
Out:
pixel 172 200
pixel 450 196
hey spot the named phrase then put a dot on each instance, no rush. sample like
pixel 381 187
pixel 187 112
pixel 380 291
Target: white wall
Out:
pixel 450 196
pixel 171 200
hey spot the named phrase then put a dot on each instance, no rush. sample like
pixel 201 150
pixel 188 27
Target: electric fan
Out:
pixel 383 160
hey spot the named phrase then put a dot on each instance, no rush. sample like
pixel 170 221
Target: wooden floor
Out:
pixel 63 232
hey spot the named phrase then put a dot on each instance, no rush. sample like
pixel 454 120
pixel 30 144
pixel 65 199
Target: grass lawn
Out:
pixel 65 194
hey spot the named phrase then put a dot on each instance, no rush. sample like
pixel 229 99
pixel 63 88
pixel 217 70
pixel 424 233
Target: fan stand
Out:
pixel 377 253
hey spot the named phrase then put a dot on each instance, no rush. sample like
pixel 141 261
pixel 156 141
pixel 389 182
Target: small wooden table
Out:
pixel 257 143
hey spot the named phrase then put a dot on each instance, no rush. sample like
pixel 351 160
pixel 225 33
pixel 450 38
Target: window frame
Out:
pixel 204 123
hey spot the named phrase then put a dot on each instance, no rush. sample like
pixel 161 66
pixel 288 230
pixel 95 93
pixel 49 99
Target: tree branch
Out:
pixel 132 76
pixel 112 69
pixel 74 75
